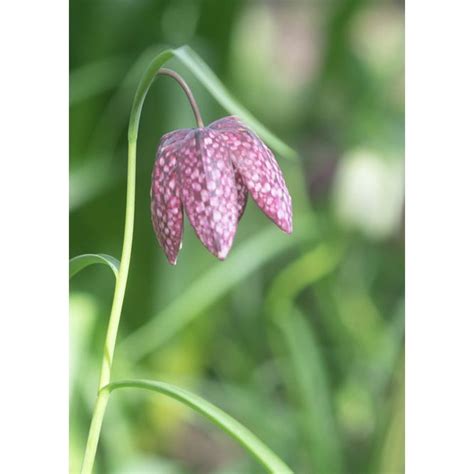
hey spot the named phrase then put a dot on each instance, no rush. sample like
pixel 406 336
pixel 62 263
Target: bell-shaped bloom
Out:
pixel 207 174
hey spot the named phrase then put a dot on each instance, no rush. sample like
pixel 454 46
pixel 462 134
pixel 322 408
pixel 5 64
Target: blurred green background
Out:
pixel 301 338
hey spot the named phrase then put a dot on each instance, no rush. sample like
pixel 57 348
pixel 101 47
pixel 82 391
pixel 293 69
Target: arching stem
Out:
pixel 187 91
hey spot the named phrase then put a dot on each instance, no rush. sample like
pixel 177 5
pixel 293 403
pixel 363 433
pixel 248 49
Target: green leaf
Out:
pixel 220 279
pixel 80 262
pixel 224 421
pixel 212 83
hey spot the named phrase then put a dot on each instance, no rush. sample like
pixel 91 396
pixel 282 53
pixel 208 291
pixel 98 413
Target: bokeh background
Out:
pixel 299 337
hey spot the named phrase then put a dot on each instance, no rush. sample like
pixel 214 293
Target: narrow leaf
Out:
pixel 212 83
pixel 246 438
pixel 80 262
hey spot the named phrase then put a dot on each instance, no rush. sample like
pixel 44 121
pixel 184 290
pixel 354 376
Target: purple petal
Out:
pixel 166 207
pixel 261 175
pixel 209 190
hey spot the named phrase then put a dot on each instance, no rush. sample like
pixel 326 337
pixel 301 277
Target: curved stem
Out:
pixel 119 293
pixel 187 91
pixel 116 311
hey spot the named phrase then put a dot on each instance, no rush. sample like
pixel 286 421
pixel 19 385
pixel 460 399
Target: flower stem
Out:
pixel 120 286
pixel 117 303
pixel 94 432
pixel 187 91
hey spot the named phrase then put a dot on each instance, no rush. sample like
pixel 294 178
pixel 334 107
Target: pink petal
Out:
pixel 166 207
pixel 209 191
pixel 261 175
pixel 233 123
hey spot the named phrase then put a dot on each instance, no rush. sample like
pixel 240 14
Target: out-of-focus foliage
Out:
pixel 301 341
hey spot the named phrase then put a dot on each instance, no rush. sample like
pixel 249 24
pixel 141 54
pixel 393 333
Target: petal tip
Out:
pixel 286 227
pixel 222 254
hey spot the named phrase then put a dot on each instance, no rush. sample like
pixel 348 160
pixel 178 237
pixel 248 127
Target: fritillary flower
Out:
pixel 207 174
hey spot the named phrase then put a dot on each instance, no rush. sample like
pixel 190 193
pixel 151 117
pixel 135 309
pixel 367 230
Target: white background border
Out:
pixel 440 237
pixel 34 237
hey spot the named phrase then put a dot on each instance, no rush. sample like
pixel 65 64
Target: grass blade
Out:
pixel 80 262
pixel 245 437
pixel 212 83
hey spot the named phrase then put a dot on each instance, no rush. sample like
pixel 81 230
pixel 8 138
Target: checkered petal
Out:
pixel 233 123
pixel 209 190
pixel 259 171
pixel 166 207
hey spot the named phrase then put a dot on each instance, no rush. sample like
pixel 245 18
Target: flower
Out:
pixel 208 172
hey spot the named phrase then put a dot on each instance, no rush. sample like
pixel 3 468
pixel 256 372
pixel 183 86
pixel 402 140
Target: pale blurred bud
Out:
pixel 369 193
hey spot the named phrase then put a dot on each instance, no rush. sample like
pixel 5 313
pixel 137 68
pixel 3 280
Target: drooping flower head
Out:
pixel 207 174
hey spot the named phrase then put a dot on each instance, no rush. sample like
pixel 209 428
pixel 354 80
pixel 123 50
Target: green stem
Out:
pixel 119 295
pixel 94 431
pixel 117 304
pixel 120 286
